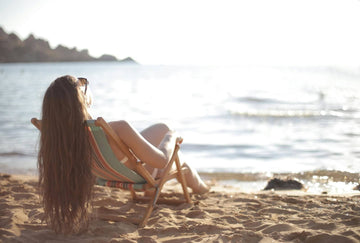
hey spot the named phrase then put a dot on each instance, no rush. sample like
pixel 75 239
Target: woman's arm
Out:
pixel 156 157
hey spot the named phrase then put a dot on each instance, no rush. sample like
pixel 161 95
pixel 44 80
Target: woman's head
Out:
pixel 64 158
pixel 64 98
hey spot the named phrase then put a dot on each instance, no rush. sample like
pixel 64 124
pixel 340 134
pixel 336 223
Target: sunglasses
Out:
pixel 83 82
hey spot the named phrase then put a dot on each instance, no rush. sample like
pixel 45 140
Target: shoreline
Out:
pixel 315 182
pixel 224 214
pixel 332 175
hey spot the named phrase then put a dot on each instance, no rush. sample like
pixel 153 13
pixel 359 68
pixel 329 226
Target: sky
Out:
pixel 196 32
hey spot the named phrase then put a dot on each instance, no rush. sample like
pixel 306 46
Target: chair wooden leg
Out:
pixel 133 194
pixel 148 193
pixel 156 194
pixel 147 215
pixel 151 206
pixel 182 180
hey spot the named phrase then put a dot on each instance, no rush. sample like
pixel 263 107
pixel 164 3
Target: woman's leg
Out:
pixel 154 134
pixel 193 179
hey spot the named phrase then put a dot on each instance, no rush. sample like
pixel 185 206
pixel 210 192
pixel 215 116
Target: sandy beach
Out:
pixel 222 215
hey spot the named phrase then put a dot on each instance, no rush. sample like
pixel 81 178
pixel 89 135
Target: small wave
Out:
pixel 13 154
pixel 269 101
pixel 212 147
pixel 287 113
pixel 250 99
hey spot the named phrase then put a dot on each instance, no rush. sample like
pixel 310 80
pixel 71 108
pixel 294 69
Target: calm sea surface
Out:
pixel 232 119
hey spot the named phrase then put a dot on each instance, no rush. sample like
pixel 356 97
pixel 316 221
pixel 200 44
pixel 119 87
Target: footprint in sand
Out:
pixel 320 226
pixel 328 238
pixel 24 196
pixel 230 219
pixel 197 214
pixel 278 228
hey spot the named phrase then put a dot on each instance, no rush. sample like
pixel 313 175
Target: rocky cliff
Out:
pixel 13 49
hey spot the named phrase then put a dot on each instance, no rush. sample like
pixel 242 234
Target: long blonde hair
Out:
pixel 64 158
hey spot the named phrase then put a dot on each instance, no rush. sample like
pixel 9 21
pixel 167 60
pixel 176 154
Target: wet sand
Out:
pixel 225 214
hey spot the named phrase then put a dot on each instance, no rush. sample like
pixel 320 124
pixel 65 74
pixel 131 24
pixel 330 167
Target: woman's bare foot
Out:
pixel 202 188
pixel 194 181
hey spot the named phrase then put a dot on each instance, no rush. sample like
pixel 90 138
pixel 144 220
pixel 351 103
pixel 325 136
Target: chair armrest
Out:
pixel 145 173
pixel 36 123
pixel 111 133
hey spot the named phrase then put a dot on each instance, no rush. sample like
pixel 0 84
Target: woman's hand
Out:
pixel 179 140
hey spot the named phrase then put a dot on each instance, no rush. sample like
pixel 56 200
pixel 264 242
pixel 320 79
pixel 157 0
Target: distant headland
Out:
pixel 13 49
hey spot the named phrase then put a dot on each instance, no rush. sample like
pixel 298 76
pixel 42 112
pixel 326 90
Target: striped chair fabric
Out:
pixel 106 167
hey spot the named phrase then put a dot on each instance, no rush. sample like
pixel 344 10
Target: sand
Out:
pixel 222 215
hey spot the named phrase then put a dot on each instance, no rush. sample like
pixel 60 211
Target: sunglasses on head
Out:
pixel 83 82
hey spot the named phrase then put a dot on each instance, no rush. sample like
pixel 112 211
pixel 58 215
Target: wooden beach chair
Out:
pixel 113 173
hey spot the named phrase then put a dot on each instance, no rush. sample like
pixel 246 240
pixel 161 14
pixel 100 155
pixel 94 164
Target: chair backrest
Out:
pixel 105 164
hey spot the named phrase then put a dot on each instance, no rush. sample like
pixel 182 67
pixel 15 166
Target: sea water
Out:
pixel 245 119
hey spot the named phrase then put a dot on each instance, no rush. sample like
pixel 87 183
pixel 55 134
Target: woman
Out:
pixel 64 158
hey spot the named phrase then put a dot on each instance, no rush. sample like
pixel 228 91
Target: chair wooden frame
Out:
pixel 153 186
